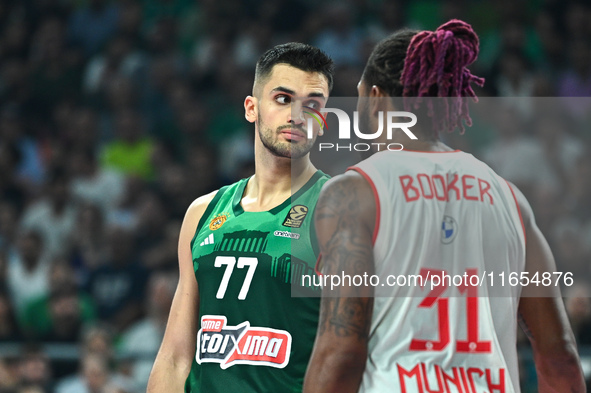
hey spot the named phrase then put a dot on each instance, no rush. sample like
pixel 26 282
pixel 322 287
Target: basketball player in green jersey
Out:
pixel 234 325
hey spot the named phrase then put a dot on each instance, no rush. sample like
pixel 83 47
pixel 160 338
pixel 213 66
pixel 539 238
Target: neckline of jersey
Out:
pixel 237 206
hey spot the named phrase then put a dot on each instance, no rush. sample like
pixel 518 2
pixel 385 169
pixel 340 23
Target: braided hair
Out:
pixel 415 64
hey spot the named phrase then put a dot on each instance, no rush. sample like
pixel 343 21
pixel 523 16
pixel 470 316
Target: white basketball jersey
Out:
pixel 443 214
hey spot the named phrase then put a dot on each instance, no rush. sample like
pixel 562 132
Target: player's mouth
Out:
pixel 293 134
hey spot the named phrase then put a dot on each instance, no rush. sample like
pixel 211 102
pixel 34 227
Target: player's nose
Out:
pixel 296 114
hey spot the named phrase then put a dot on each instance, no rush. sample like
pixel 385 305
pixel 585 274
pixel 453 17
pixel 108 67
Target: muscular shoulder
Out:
pixel 349 195
pixel 199 205
pixel 346 187
pixel 195 212
pixel 525 209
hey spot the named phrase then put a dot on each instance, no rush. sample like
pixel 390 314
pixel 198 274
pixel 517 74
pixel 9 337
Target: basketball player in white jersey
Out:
pixel 425 211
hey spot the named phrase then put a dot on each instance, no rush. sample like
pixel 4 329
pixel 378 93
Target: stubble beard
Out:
pixel 285 149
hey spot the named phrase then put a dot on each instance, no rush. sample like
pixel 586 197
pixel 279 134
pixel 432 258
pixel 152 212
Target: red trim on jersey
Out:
pixel 376 198
pixel 518 209
pixel 316 265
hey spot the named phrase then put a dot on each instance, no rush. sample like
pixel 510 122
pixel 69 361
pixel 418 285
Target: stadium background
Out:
pixel 114 116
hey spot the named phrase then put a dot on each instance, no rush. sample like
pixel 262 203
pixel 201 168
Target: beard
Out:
pixel 287 149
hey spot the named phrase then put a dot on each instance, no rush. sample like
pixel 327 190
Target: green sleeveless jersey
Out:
pixel 253 335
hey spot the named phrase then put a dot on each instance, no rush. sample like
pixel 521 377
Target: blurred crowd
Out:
pixel 115 115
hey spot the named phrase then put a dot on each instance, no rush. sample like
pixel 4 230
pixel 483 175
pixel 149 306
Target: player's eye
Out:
pixel 283 99
pixel 313 104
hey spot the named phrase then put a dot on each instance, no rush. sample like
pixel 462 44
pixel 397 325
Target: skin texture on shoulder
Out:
pixel 174 359
pixel 543 318
pixel 345 220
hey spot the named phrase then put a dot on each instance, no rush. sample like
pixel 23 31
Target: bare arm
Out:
pixel 544 318
pixel 344 220
pixel 175 357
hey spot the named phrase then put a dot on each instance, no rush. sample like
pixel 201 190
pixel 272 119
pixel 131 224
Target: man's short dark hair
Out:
pixel 386 62
pixel 301 56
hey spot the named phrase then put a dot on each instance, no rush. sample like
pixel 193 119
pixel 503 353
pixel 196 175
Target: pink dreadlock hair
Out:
pixel 435 66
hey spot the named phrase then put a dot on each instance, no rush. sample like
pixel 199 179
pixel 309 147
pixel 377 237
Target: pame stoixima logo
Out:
pixel 387 121
pixel 242 344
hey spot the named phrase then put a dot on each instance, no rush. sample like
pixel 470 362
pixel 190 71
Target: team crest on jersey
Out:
pixel 218 221
pixel 243 344
pixel 449 230
pixel 296 216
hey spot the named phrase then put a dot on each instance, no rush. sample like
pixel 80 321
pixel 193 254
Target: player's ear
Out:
pixel 377 100
pixel 250 108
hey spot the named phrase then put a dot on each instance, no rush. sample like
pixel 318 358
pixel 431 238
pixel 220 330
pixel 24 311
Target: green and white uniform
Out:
pixel 254 336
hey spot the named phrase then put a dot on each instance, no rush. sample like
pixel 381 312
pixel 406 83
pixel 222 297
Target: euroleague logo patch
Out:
pixel 218 221
pixel 296 216
pixel 242 344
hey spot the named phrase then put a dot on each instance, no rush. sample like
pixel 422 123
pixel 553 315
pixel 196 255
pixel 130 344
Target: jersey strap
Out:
pixel 208 211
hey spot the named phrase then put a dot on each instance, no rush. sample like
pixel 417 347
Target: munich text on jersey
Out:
pixel 459 379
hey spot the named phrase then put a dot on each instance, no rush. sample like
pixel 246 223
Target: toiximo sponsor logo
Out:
pixel 242 344
pixel 392 123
